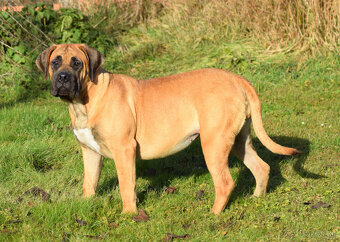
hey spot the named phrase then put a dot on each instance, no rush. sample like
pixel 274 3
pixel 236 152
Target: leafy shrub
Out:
pixel 22 31
pixel 25 34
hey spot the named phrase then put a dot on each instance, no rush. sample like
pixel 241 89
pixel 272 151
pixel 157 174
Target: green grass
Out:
pixel 300 101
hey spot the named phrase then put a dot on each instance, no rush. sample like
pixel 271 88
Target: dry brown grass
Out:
pixel 279 26
pixel 284 25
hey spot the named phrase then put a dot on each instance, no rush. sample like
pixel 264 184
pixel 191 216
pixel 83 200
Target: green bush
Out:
pixel 40 24
pixel 25 34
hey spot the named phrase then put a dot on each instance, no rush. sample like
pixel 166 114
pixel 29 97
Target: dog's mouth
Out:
pixel 65 85
pixel 64 93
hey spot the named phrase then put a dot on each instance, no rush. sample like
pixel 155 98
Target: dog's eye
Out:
pixel 55 62
pixel 76 64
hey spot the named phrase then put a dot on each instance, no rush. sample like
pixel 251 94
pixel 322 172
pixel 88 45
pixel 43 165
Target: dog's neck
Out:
pixel 78 114
pixel 80 108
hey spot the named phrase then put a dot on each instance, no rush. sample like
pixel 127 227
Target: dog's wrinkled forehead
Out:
pixel 67 53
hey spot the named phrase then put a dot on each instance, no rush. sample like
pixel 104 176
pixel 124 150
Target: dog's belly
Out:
pixel 164 142
pixel 182 144
pixel 165 147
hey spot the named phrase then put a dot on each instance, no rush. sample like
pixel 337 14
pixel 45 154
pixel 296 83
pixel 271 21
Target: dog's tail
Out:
pixel 255 111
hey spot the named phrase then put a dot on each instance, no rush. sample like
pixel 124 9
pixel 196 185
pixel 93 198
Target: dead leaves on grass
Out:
pixel 81 222
pixel 112 225
pixel 141 217
pixel 8 231
pixel 320 204
pixel 170 237
pixel 170 190
pixel 317 205
pixel 199 195
pixel 36 191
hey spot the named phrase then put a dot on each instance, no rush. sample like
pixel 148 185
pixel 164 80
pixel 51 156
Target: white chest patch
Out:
pixel 85 137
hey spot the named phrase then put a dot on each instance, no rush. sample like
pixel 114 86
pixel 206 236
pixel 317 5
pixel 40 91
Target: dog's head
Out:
pixel 70 67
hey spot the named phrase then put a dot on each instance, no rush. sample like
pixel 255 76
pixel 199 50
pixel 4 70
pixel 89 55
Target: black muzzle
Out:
pixel 65 85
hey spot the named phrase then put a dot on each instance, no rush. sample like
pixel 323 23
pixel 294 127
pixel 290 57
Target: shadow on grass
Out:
pixel 245 183
pixel 108 184
pixel 190 162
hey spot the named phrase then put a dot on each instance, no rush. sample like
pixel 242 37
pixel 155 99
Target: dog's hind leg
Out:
pixel 244 151
pixel 216 147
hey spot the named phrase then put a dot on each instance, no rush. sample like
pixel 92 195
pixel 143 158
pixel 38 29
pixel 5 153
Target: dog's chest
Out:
pixel 85 137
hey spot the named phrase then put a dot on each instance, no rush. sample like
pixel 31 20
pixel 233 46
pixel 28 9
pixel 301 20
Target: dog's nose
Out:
pixel 63 77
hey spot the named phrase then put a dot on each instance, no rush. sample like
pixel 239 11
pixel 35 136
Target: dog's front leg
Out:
pixel 125 160
pixel 92 167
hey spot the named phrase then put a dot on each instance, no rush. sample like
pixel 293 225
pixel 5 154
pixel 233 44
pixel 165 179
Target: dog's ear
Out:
pixel 95 60
pixel 43 60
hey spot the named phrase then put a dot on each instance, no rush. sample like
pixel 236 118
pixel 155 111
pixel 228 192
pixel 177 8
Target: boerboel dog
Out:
pixel 125 119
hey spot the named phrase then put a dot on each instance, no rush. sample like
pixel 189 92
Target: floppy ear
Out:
pixel 43 60
pixel 95 60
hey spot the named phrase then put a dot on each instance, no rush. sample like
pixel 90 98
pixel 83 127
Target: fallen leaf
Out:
pixel 36 191
pixel 81 222
pixel 15 221
pixel 7 231
pixel 170 190
pixel 199 194
pixel 186 226
pixel 295 189
pixel 170 237
pixel 320 204
pixel 30 203
pixel 141 217
pixel 112 225
pixel 92 236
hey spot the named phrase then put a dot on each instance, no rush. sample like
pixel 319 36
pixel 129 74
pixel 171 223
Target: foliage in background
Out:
pixel 23 35
pixel 246 29
pixel 277 26
pixel 131 33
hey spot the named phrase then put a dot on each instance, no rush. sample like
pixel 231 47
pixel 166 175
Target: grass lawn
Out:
pixel 300 102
